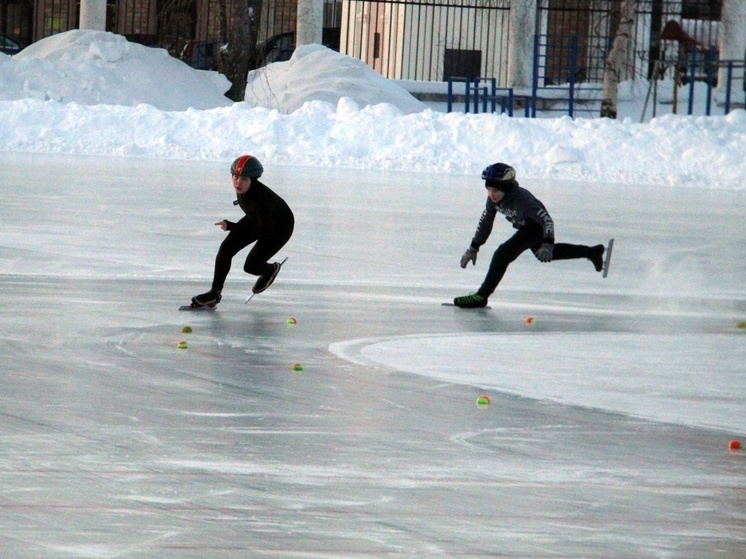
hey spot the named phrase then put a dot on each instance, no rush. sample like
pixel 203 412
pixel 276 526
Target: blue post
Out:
pixel 729 72
pixel 450 94
pixel 476 95
pixel 710 66
pixel 510 102
pixel 535 85
pixel 692 76
pixel 467 93
pixel 573 55
pixel 493 83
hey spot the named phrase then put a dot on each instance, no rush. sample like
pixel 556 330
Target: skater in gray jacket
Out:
pixel 535 231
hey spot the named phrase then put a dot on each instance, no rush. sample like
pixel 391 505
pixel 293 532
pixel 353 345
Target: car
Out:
pixel 200 54
pixel 278 48
pixel 10 46
pixel 281 47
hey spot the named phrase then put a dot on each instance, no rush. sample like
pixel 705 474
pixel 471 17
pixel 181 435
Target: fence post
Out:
pixel 535 80
pixel 467 94
pixel 710 65
pixel 493 83
pixel 692 76
pixel 573 54
pixel 476 95
pixel 729 76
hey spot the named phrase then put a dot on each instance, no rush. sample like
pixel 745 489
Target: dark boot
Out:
pixel 473 301
pixel 209 299
pixel 266 280
pixel 597 257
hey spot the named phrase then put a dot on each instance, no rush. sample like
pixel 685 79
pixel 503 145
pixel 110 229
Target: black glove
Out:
pixel 470 254
pixel 544 254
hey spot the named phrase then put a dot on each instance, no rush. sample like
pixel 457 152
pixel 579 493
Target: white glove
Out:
pixel 544 254
pixel 470 254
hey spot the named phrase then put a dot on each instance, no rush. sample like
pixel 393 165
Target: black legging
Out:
pixel 241 235
pixel 529 236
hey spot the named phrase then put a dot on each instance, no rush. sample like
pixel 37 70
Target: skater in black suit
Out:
pixel 268 222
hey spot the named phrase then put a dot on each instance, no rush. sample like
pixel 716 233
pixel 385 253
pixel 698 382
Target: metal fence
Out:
pixel 165 23
pixel 695 70
pixel 428 40
pixel 663 29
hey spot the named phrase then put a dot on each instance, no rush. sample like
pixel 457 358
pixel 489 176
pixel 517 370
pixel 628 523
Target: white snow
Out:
pixel 92 93
pixel 99 68
pixel 286 86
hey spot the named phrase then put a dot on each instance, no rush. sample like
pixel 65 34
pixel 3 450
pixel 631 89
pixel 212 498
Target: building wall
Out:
pixel 137 18
pixel 53 16
pixel 427 42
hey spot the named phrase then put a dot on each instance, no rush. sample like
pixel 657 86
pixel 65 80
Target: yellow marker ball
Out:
pixel 742 325
pixel 186 330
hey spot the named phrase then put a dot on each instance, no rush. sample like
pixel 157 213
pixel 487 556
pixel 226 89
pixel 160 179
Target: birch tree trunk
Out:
pixel 732 41
pixel 615 60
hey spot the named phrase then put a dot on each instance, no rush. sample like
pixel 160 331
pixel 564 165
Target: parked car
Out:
pixel 278 48
pixel 200 54
pixel 10 46
pixel 281 47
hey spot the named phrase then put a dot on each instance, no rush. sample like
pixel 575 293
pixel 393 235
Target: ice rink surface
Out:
pixel 118 444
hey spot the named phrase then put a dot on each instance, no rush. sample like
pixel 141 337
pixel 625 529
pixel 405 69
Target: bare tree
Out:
pixel 239 24
pixel 617 55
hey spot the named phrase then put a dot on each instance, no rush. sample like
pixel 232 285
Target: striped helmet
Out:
pixel 247 166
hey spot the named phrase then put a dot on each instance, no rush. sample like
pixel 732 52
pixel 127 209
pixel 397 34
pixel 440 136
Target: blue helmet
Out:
pixel 500 176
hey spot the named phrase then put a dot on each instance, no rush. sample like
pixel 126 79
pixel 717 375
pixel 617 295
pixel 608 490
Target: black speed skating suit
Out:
pixel 268 221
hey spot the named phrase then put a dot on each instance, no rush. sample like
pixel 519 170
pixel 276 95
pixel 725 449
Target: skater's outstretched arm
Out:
pixel 225 225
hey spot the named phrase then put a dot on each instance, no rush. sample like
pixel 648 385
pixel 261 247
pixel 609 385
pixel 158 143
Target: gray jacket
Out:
pixel 518 206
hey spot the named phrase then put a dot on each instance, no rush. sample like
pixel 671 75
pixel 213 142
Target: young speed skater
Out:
pixel 535 231
pixel 268 222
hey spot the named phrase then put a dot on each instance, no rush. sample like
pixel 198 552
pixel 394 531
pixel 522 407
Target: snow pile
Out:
pixel 96 67
pixel 286 86
pixel 323 109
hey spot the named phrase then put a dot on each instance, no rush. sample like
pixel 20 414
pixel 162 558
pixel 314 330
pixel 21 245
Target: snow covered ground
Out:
pixel 106 222
pixel 91 94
